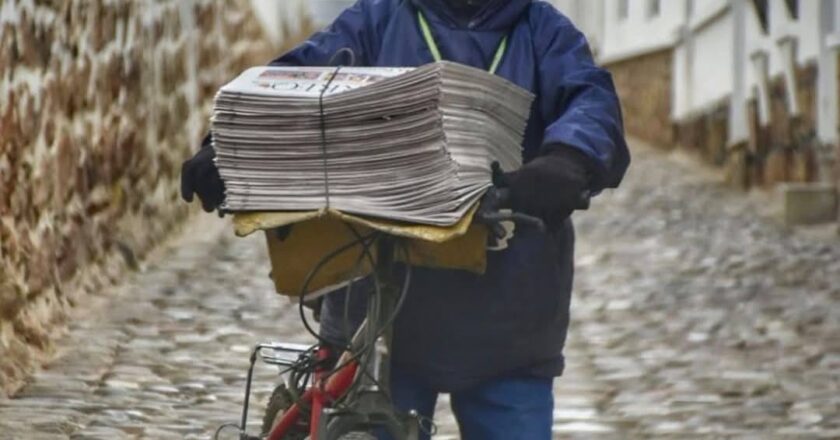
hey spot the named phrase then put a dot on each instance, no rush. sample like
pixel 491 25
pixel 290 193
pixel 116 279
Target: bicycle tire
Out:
pixel 355 436
pixel 280 401
pixel 358 436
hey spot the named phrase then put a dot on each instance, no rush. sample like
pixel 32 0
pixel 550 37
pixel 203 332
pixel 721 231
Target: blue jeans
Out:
pixel 509 408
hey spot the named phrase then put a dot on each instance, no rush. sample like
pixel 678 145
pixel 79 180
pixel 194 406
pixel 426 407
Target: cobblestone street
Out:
pixel 693 318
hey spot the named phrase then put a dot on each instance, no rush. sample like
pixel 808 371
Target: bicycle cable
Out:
pixel 369 346
pixel 310 277
pixel 362 354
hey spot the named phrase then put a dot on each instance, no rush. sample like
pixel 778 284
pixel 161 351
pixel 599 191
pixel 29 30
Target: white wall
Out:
pixel 639 32
pixel 614 37
pixel 703 73
pixel 706 65
pixel 702 33
pixel 702 11
pixel 805 31
pixel 828 109
pixel 715 50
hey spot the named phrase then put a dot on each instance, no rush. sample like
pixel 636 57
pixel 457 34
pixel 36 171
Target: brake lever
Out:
pixel 498 199
pixel 496 218
pixel 490 213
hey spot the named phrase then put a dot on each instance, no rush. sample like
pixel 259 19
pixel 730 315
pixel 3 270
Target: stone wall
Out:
pixel 100 102
pixel 782 151
pixel 644 85
pixel 706 134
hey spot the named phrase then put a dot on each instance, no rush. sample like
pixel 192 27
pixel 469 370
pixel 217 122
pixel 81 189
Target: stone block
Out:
pixel 644 86
pixel 7 45
pixel 809 203
pixel 737 170
pixel 776 167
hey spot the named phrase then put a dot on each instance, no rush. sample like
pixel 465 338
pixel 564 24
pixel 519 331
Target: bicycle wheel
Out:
pixel 280 401
pixel 355 436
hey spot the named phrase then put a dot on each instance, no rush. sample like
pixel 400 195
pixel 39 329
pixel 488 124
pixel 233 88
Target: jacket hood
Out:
pixel 497 15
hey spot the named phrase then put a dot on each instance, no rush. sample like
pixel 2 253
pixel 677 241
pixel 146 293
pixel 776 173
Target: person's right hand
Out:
pixel 200 176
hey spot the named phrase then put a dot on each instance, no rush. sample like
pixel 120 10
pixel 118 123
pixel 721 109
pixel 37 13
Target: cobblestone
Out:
pixel 693 318
pixel 702 318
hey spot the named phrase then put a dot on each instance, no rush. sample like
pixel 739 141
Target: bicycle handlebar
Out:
pixel 497 200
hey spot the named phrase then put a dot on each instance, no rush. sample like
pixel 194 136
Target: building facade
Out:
pixel 750 84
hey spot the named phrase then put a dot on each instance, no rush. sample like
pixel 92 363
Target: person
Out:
pixel 494 342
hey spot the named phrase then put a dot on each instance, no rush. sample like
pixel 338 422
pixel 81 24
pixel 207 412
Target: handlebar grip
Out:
pixel 500 199
pixel 520 219
pixel 534 222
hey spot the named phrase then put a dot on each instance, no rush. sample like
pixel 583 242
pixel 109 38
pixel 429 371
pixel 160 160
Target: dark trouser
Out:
pixel 508 408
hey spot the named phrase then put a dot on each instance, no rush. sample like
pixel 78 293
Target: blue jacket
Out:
pixel 457 328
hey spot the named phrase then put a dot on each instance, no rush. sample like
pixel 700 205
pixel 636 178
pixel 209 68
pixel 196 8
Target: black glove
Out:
pixel 199 175
pixel 551 186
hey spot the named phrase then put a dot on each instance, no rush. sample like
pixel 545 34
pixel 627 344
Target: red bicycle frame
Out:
pixel 317 397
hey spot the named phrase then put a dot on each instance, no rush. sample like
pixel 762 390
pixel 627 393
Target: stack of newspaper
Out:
pixel 405 144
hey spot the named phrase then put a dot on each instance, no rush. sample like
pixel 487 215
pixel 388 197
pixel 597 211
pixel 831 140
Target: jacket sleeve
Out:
pixel 579 101
pixel 355 30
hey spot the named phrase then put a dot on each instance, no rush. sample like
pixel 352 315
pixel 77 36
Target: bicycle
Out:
pixel 348 399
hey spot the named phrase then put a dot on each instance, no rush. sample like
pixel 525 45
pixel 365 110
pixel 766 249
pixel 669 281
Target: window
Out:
pixel 761 8
pixel 653 8
pixel 793 8
pixel 623 9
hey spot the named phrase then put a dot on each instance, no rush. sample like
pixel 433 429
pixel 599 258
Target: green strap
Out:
pixel 500 53
pixel 430 40
pixel 433 47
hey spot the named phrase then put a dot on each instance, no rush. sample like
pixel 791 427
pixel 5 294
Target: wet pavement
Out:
pixel 693 318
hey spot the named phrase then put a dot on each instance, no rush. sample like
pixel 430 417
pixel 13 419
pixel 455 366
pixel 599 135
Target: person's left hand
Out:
pixel 551 186
pixel 199 176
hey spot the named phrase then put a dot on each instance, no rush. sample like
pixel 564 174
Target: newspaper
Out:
pixel 406 144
